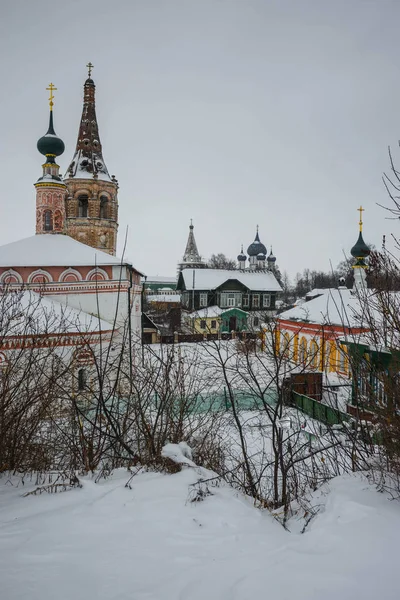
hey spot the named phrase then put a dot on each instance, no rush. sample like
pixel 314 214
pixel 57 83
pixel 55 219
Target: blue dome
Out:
pixel 256 247
pixel 51 144
pixel 260 256
pixel 271 258
pixel 242 257
pixel 360 249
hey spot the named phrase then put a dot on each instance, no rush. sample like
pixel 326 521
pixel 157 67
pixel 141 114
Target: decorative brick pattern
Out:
pixel 50 207
pixel 93 230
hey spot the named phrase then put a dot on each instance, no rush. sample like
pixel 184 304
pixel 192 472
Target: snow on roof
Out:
pixel 334 306
pixel 53 250
pixel 315 292
pixel 164 298
pixel 213 311
pixel 28 313
pixel 210 311
pixel 79 167
pixel 210 279
pixel 81 174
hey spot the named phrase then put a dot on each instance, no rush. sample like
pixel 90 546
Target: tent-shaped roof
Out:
pixel 88 159
pixel 211 279
pixel 53 250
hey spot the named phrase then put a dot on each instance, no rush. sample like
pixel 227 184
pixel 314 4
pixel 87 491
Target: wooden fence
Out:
pixel 180 338
pixel 316 410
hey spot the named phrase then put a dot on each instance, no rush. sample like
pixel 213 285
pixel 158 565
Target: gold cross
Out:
pixel 360 210
pixel 90 67
pixel 51 89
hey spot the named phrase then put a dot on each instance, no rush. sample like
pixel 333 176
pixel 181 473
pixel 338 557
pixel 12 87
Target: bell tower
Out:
pixel 92 202
pixel 50 189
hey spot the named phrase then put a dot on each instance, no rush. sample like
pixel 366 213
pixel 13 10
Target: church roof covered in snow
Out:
pixel 55 250
pixel 210 279
pixel 334 306
pixel 28 313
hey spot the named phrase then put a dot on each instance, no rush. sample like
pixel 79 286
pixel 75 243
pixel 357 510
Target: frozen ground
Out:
pixel 107 542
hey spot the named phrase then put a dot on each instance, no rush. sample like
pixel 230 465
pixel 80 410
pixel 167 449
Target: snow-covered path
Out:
pixel 107 542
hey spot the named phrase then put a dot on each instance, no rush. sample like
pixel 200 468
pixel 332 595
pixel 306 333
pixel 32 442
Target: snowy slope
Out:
pixel 107 542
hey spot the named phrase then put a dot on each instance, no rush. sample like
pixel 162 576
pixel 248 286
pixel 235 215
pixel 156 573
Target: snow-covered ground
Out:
pixel 109 542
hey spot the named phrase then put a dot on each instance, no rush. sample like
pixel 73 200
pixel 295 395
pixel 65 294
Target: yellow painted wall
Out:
pixel 208 328
pixel 277 341
pixel 296 347
pixel 316 352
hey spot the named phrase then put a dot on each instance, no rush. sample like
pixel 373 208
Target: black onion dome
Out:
pixel 242 257
pixel 89 81
pixel 271 258
pixel 256 247
pixel 360 249
pixel 260 256
pixel 51 143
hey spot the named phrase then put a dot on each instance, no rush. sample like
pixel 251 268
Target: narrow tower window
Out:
pixel 103 207
pixel 83 203
pixel 82 379
pixel 48 220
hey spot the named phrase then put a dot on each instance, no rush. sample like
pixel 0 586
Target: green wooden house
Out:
pixel 375 374
pixel 214 319
pixel 249 291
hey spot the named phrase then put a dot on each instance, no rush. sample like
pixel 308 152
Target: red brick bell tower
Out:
pixel 92 202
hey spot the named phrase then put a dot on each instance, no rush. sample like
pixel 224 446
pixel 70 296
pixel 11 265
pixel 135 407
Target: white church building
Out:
pixel 71 261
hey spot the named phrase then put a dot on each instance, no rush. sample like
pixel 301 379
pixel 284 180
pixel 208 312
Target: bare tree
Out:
pixel 220 261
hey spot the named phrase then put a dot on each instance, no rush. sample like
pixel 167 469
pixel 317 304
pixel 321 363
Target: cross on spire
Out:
pixel 51 89
pixel 361 210
pixel 89 67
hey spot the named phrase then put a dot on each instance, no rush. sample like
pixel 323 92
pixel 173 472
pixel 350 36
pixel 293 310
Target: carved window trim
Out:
pixel 67 272
pixel 40 273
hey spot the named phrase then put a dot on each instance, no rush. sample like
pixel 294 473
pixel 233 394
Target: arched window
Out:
pixel 97 275
pixel 342 360
pixel 303 351
pixel 83 203
pixel 48 220
pixel 286 345
pixel 39 276
pixel 330 357
pixel 103 207
pixel 82 379
pixel 296 348
pixel 10 277
pixel 70 275
pixel 327 355
pixel 314 354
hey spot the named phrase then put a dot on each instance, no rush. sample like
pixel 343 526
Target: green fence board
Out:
pixel 317 410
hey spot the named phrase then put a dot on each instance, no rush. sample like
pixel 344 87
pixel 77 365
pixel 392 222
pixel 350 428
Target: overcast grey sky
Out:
pixel 230 112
